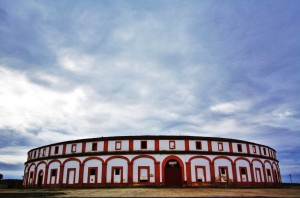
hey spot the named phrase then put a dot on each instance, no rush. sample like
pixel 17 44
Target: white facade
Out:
pixel 99 163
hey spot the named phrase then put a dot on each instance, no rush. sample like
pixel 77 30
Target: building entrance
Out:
pixel 40 178
pixel 173 175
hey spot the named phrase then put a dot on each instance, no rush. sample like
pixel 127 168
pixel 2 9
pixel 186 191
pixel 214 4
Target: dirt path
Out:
pixel 183 192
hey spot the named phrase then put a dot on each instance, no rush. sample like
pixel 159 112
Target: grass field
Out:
pixel 152 192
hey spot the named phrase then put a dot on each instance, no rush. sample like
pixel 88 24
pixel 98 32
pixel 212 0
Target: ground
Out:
pixel 152 192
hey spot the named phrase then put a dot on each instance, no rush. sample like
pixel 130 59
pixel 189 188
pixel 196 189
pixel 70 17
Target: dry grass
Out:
pixel 152 192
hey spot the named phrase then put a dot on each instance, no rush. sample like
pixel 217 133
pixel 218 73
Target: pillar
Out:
pixel 156 145
pixel 187 145
pixel 248 148
pixel 264 173
pixel 83 147
pixel 234 173
pixel 64 149
pixel 212 172
pixel 46 175
pixel 104 171
pixel 130 173
pixel 188 173
pixel 61 175
pixel 81 171
pixel 252 174
pixel 230 147
pixel 105 149
pixel 34 176
pixel 49 151
pixel 157 173
pixel 209 146
pixel 131 145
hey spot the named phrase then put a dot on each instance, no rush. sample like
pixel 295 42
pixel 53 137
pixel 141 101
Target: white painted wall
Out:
pixel 200 162
pixel 257 164
pixel 46 152
pixel 92 163
pixel 100 147
pixel 143 162
pixel 262 151
pixel 31 169
pixel 275 168
pixel 268 166
pixel 235 148
pixel 117 162
pixel 215 146
pixel 53 165
pixel 71 164
pixel 251 149
pixel 223 162
pixel 243 163
pixel 150 145
pixel 149 162
pixel 60 150
pixel 124 145
pixel 192 144
pixel 164 145
pixel 78 148
pixel 40 167
pixel 37 154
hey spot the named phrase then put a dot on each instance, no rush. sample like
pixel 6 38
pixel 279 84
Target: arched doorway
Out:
pixel 173 175
pixel 40 178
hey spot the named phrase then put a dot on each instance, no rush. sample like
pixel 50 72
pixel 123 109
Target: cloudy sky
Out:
pixel 81 69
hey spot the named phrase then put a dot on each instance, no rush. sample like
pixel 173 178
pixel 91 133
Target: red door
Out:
pixel 173 176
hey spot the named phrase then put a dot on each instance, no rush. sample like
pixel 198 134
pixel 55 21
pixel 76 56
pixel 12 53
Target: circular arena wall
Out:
pixel 152 161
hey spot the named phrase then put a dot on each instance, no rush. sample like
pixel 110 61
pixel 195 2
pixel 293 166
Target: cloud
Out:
pixel 26 105
pixel 230 107
pixel 78 70
pixel 11 157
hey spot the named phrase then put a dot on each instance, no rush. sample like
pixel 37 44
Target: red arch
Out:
pixel 242 158
pixel 143 156
pixel 250 168
pixel 91 158
pixel 256 159
pixel 63 169
pixel 71 159
pixel 268 161
pixel 277 170
pixel 34 173
pixel 232 169
pixel 41 171
pixel 41 162
pixel 116 157
pixel 165 162
pixel 276 165
pixel 38 173
pixel 26 167
pixel 272 174
pixel 222 157
pixel 262 168
pixel 200 156
pixel 55 160
pixel 33 164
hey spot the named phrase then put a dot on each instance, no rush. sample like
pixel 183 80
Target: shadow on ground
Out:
pixel 29 194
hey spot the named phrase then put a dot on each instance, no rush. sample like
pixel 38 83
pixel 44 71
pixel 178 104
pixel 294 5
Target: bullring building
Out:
pixel 152 161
